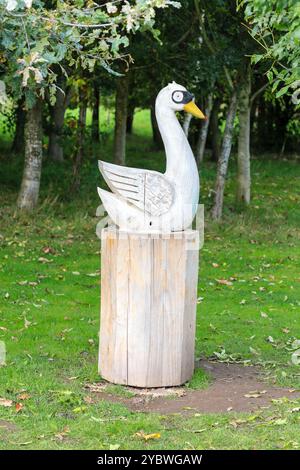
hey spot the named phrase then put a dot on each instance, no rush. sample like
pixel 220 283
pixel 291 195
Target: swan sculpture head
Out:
pixel 176 98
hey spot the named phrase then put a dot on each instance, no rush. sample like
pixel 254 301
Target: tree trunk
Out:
pixel 215 131
pixel 186 123
pixel 203 131
pixel 130 116
pixel 157 140
pixel 29 192
pixel 243 158
pixel 224 158
pixel 57 116
pixel 96 115
pixel 121 119
pixel 80 141
pixel 18 142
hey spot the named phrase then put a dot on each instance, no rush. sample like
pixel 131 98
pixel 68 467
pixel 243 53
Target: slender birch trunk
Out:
pixel 215 131
pixel 243 158
pixel 30 186
pixel 186 123
pixel 121 119
pixel 204 130
pixel 224 158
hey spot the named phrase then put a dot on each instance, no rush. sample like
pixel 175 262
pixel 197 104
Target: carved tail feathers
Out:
pixel 123 214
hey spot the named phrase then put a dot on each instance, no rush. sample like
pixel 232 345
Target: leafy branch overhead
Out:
pixel 73 34
pixel 276 28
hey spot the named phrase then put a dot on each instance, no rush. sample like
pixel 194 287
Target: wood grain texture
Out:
pixel 148 308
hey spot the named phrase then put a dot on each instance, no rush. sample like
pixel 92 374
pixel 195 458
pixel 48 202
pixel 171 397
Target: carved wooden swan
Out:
pixel 149 201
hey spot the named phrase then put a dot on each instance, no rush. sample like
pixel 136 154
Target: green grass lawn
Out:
pixel 49 310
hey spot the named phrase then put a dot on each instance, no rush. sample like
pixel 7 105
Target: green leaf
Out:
pixel 282 91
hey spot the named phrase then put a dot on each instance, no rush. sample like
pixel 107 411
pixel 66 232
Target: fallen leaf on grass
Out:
pixel 114 446
pixel 88 399
pixel 61 435
pixel 44 260
pixel 5 402
pixel 224 282
pixel 237 422
pixel 27 323
pixel 24 396
pixel 18 407
pixel 48 249
pixel 147 437
pixel 101 387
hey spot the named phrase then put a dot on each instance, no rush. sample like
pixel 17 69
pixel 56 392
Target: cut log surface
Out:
pixel 148 307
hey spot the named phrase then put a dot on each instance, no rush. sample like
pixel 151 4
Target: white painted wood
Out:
pixel 148 201
pixel 148 308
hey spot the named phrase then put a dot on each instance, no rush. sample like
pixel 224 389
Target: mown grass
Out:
pixel 49 310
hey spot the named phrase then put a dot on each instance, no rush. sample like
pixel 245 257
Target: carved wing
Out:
pixel 149 190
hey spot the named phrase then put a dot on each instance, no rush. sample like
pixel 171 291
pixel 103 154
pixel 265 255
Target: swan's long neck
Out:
pixel 179 155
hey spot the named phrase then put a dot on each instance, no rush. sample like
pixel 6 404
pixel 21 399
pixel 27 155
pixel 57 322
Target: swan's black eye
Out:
pixel 177 96
pixel 182 97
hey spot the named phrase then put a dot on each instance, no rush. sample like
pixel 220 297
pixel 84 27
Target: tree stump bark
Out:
pixel 148 307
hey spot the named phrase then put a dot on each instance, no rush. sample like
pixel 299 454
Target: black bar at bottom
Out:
pixel 135 458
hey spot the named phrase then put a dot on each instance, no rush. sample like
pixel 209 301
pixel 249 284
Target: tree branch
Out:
pixel 258 92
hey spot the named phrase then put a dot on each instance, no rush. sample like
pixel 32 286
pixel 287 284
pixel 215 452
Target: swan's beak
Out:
pixel 192 108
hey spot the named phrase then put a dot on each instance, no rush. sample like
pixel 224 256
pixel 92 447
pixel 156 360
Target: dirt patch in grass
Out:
pixel 7 426
pixel 234 388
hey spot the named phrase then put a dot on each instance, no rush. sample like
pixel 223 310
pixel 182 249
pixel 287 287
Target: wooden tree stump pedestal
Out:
pixel 148 307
